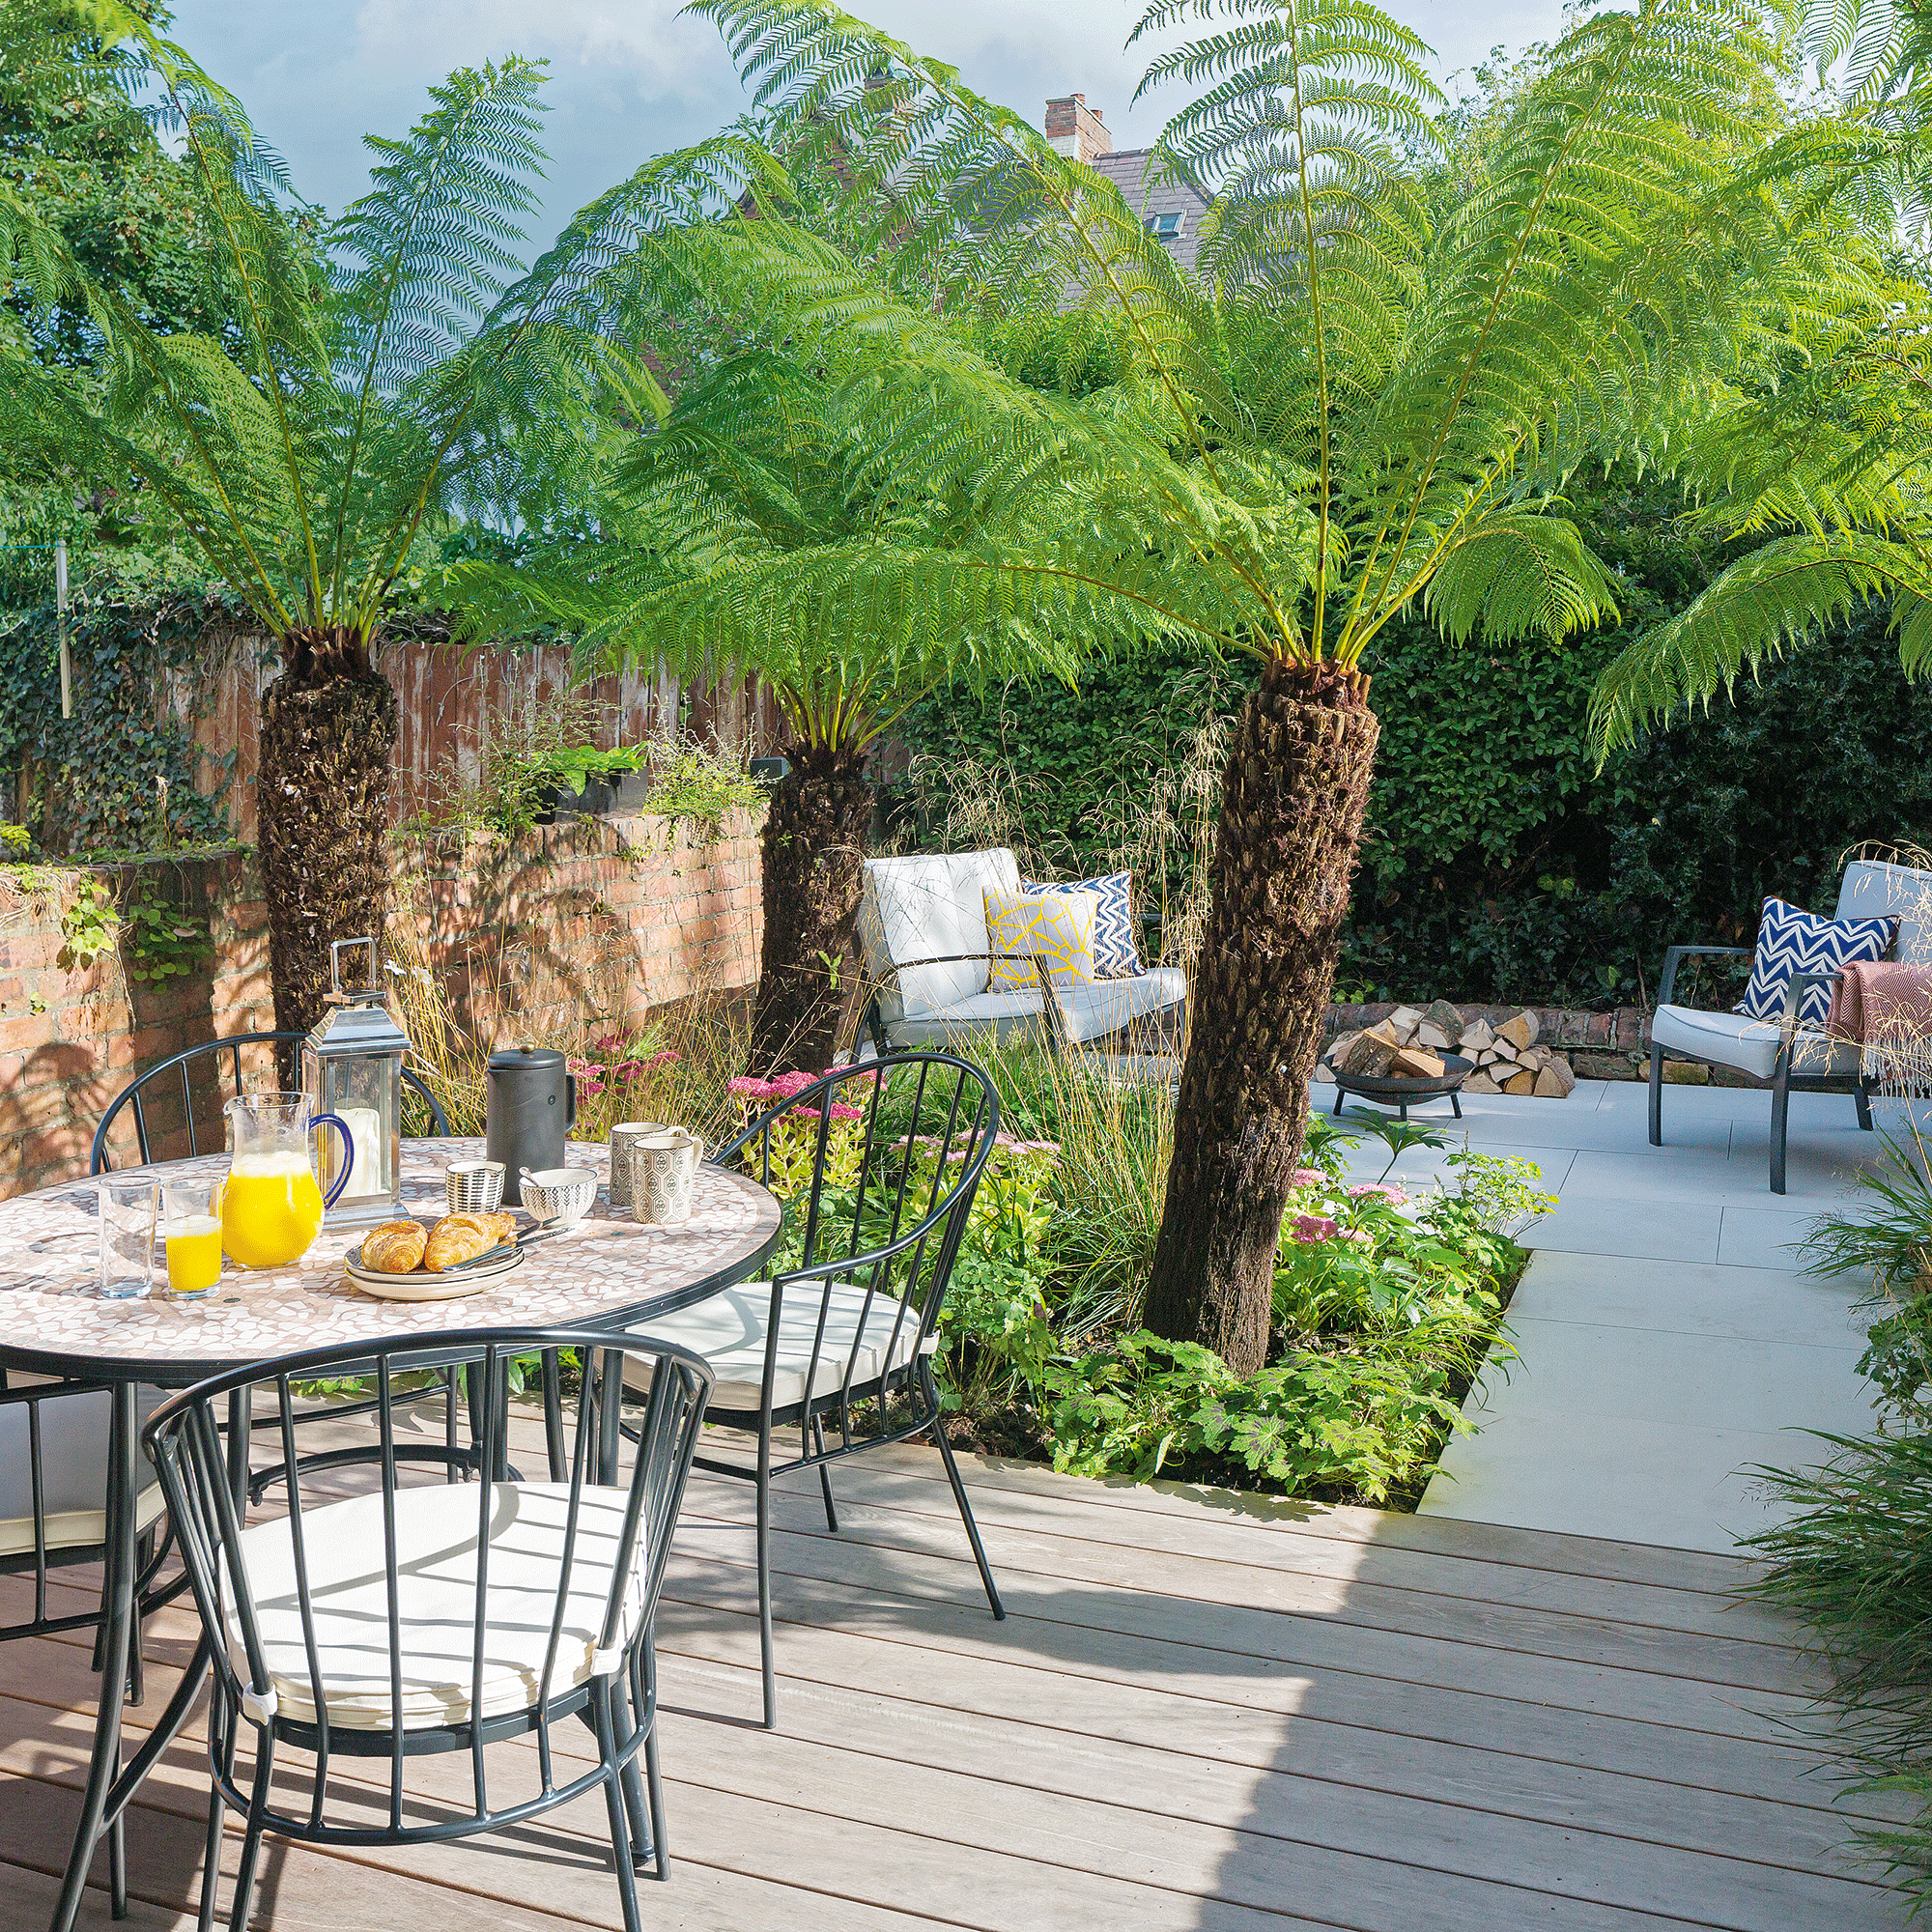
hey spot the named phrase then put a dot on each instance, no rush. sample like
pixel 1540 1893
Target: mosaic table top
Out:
pixel 606 1268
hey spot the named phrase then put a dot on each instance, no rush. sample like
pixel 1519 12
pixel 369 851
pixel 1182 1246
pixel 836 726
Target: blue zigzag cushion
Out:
pixel 1116 955
pixel 1791 941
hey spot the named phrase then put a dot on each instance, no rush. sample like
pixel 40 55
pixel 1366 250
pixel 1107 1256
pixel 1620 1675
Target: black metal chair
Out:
pixel 56 1442
pixel 418 1618
pixel 847 1326
pixel 133 1095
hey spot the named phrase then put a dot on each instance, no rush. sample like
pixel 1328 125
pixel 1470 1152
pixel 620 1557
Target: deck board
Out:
pixel 1203 1711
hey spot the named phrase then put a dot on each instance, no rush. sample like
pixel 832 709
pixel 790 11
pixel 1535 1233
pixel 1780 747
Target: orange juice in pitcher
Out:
pixel 271 1203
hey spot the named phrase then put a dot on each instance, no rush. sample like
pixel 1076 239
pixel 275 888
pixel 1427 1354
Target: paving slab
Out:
pixel 1669 1345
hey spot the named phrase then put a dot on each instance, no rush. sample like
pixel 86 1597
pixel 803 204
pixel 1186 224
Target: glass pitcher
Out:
pixel 271 1204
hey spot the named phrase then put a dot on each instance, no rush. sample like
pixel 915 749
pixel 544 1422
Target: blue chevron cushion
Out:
pixel 1793 941
pixel 1116 955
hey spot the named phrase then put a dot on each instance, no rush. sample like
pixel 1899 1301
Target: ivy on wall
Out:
pixel 124 774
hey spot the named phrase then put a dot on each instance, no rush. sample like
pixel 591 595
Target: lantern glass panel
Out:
pixel 365 1090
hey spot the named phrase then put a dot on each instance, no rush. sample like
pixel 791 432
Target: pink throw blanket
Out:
pixel 1882 1002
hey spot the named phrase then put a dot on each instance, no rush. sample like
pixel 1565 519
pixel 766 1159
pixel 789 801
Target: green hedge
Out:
pixel 1498 865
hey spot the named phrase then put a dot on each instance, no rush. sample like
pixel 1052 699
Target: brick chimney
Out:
pixel 1074 128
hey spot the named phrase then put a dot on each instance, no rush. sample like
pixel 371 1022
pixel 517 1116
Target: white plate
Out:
pixel 425 1287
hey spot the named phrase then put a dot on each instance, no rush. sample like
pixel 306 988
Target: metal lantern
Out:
pixel 352 1068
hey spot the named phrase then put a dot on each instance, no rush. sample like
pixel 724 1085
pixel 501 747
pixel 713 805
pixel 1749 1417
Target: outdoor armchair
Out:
pixel 928 959
pixel 1785 1054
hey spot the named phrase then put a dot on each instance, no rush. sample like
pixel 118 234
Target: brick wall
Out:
pixel 604 917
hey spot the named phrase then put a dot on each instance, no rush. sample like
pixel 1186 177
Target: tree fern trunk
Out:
pixel 814 842
pixel 328 726
pixel 1291 805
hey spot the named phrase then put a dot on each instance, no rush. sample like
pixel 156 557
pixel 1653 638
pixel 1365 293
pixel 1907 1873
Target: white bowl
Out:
pixel 559 1194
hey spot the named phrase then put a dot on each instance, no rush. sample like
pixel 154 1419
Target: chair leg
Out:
pixel 614 1804
pixel 251 1843
pixel 1781 1108
pixel 965 1507
pixel 824 1475
pixel 116 1854
pixel 1656 1096
pixel 641 1841
pixel 1863 1097
pixel 765 1595
pixel 654 1783
pixel 222 1758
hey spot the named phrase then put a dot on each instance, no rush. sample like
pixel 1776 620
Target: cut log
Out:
pixel 1369 1057
pixel 1555 1082
pixel 1477 1034
pixel 1503 1050
pixel 1432 1036
pixel 1414 1064
pixel 1479 1082
pixel 1337 1054
pixel 1519 1083
pixel 1520 1029
pixel 1405 1019
pixel 1444 1017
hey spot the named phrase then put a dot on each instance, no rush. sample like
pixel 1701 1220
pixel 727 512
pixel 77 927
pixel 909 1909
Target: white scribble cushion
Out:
pixel 1791 940
pixel 1117 955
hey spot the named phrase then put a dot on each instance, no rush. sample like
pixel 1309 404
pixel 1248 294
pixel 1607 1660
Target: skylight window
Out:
pixel 1163 227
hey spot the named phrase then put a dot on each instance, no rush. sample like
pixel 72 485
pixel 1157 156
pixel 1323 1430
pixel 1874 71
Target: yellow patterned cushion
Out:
pixel 1056 925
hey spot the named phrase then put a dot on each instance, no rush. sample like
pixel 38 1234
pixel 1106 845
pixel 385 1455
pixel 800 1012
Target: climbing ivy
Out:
pixel 122 774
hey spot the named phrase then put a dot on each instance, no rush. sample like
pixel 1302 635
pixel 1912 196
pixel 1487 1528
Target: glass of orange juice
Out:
pixel 194 1237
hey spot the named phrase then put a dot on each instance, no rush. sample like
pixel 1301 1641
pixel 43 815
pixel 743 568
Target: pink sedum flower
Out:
pixel 1363 1190
pixel 1314 1228
pixel 1310 1177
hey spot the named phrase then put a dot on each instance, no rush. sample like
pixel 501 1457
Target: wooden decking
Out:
pixel 1202 1712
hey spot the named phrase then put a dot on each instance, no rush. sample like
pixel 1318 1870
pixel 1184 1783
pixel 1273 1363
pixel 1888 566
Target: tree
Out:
pixel 306 447
pixel 753 524
pixel 1350 411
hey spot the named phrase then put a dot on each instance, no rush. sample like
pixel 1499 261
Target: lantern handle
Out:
pixel 368 939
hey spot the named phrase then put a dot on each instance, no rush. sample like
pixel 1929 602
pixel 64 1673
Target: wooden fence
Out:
pixel 453 701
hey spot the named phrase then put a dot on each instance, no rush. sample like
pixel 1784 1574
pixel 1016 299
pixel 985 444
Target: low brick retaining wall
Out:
pixel 602 916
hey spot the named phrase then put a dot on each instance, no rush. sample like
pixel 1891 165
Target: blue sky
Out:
pixel 629 78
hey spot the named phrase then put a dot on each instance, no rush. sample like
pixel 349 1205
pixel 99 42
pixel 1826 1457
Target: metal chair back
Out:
pixel 135 1097
pixel 878 1163
pixel 586 1502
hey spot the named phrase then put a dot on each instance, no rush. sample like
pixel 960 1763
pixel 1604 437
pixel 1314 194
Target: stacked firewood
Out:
pixel 1412 1043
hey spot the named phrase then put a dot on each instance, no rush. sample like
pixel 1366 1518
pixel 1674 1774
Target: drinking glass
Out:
pixel 127 1239
pixel 194 1237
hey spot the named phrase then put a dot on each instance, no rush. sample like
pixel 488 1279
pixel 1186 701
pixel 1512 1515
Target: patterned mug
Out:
pixel 664 1177
pixel 624 1136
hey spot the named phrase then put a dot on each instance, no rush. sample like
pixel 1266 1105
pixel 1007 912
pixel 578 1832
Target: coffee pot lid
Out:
pixel 527 1059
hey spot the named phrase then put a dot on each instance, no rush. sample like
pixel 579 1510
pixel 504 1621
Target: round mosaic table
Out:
pixel 606 1271
pixel 609 1271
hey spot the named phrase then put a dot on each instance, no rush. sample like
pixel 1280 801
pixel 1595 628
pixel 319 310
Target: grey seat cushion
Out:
pixel 1728 1039
pixel 74 1470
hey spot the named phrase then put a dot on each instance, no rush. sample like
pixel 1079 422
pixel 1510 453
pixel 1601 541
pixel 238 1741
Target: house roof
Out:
pixel 1159 202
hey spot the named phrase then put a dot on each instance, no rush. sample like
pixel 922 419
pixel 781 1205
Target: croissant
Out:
pixel 396 1247
pixel 456 1238
pixel 499 1226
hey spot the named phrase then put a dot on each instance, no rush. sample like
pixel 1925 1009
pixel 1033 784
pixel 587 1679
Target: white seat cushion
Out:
pixel 1750 1045
pixel 1873 889
pixel 73 1472
pixel 728 1331
pixel 1105 1006
pixel 1090 1011
pixel 931 907
pixel 436 1544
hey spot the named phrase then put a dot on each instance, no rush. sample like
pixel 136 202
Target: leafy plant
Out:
pixel 166 941
pixel 90 922
pixel 15 843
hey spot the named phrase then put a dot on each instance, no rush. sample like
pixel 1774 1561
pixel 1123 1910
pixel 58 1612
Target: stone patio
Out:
pixel 1667 1342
